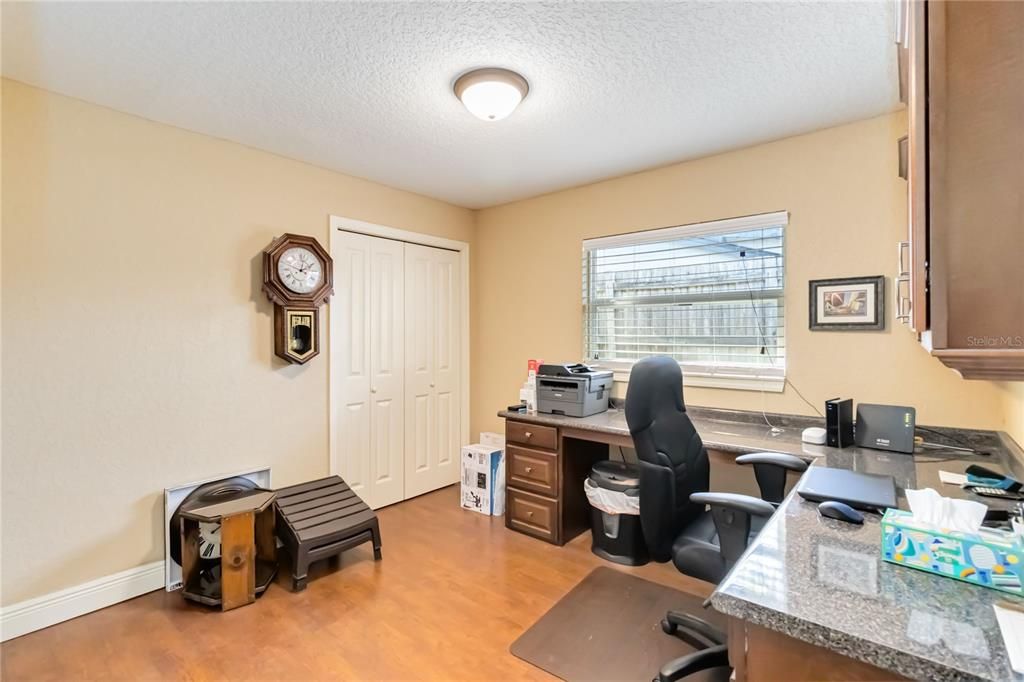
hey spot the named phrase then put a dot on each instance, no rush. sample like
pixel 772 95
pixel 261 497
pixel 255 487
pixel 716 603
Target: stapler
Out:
pixel 980 476
pixel 988 483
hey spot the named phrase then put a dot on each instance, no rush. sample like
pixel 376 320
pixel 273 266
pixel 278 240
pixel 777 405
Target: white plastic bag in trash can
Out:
pixel 612 504
pixel 611 501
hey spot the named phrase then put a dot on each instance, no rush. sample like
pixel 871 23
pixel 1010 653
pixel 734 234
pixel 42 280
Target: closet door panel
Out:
pixel 447 442
pixel 421 420
pixel 446 364
pixel 387 360
pixel 350 361
pixel 419 452
pixel 367 377
pixel 432 372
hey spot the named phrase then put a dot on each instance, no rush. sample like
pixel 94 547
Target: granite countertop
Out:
pixel 741 432
pixel 717 428
pixel 824 582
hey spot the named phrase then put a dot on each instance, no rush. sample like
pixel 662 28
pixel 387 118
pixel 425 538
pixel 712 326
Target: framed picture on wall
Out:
pixel 847 304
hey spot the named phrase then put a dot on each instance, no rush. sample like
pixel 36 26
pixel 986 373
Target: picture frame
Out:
pixel 847 304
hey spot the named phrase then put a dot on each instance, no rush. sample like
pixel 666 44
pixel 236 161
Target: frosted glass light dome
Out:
pixel 491 94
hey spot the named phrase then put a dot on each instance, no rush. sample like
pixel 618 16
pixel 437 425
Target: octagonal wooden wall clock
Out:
pixel 298 278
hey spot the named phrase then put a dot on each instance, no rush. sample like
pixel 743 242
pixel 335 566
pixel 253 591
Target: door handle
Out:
pixel 373 390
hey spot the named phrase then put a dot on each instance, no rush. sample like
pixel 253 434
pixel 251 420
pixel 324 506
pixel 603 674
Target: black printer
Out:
pixel 573 390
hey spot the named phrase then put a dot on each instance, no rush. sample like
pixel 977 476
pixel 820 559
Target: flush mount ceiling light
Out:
pixel 491 94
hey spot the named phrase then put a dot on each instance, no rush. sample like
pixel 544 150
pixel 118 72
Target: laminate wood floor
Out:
pixel 454 589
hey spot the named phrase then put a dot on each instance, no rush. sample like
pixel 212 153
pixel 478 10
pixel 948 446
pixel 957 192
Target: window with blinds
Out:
pixel 708 295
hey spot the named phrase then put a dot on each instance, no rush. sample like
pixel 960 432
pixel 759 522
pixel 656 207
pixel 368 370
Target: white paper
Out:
pixel 932 509
pixel 1011 623
pixel 952 479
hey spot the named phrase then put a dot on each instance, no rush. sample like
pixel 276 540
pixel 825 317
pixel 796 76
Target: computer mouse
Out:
pixel 840 512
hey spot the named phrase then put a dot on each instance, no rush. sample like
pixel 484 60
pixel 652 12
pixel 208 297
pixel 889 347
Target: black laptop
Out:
pixel 861 491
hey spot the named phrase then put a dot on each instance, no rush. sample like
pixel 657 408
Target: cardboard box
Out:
pixel 483 479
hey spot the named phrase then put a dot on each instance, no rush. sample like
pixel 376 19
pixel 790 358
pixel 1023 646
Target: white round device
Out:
pixel 814 434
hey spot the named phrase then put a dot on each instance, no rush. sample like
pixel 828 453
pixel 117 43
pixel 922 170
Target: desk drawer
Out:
pixel 531 434
pixel 532 514
pixel 532 470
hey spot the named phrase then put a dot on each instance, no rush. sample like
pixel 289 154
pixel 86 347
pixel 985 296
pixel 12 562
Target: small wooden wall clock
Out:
pixel 298 278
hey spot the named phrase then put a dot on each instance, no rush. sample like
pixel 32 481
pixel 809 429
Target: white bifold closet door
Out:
pixel 431 368
pixel 368 365
pixel 395 358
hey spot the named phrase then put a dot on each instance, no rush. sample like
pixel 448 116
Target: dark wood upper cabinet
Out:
pixel 913 257
pixel 963 265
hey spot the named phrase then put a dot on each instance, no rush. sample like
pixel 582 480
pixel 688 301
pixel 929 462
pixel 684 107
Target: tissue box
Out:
pixel 991 558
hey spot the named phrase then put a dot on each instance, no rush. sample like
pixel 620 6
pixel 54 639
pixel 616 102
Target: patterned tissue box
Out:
pixel 991 558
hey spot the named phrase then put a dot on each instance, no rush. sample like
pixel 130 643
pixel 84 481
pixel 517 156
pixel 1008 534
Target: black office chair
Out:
pixel 674 500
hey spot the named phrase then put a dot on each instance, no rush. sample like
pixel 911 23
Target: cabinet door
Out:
pixel 903 47
pixel 367 362
pixel 432 378
pixel 911 284
pixel 976 168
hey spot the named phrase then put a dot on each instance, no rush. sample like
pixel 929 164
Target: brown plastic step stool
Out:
pixel 321 519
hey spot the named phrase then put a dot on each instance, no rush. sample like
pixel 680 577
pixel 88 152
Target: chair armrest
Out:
pixel 740 503
pixel 713 657
pixel 694 625
pixel 788 462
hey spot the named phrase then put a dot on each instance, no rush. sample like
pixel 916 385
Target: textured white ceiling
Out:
pixel 365 88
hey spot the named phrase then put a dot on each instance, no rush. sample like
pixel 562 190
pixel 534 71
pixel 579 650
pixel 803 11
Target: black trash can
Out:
pixel 617 536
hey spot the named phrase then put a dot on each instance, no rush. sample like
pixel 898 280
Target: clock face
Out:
pixel 299 269
pixel 209 540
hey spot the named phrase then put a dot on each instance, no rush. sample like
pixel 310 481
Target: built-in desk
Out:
pixel 811 598
pixel 549 456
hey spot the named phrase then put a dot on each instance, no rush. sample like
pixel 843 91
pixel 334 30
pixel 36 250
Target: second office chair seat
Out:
pixel 701 553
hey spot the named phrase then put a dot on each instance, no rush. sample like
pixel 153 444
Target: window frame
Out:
pixel 768 379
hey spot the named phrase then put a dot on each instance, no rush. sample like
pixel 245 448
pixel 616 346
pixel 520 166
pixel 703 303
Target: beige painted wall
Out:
pixel 137 348
pixel 847 209
pixel 1015 410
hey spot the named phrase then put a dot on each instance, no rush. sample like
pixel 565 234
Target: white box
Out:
pixel 483 479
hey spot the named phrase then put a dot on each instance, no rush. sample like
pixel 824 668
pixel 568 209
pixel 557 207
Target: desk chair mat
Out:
pixel 608 628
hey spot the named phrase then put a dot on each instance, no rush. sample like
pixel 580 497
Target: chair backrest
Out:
pixel 673 461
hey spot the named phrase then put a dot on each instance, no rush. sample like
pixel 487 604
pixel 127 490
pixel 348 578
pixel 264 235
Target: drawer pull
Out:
pixel 527 434
pixel 529 470
pixel 530 514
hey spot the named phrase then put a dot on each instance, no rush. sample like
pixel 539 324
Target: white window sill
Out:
pixel 731 382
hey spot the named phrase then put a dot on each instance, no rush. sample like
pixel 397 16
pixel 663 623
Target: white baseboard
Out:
pixel 35 614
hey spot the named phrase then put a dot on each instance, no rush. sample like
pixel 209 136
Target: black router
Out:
pixel 886 427
pixel 839 423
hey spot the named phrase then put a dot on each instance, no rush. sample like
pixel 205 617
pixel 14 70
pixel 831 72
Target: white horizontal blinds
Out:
pixel 709 295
